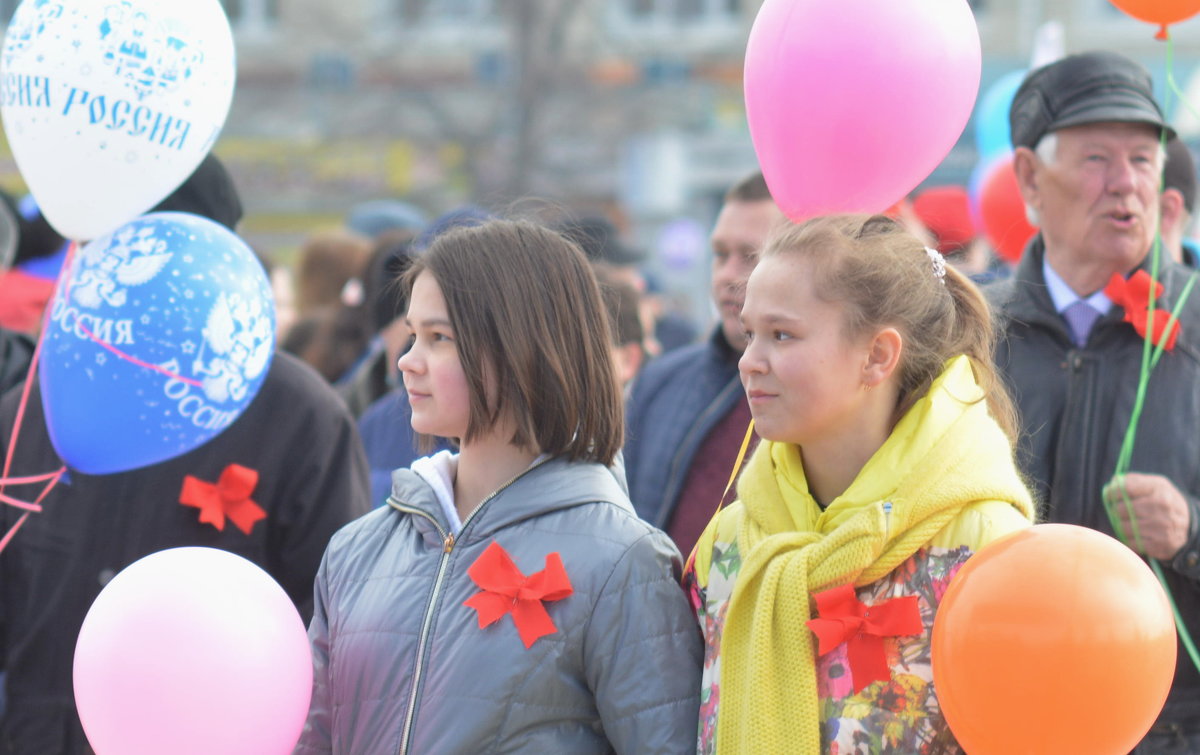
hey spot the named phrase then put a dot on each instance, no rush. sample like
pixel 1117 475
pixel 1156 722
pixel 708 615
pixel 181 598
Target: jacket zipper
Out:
pixel 448 543
pixel 664 511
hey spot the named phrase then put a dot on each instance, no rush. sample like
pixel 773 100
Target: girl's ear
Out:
pixel 883 356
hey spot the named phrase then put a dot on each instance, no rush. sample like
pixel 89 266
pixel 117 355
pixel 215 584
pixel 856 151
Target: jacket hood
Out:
pixel 550 485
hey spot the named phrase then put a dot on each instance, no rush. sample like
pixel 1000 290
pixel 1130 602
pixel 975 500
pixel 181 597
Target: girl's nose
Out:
pixel 751 363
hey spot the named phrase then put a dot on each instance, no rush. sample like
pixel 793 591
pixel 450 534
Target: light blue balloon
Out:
pixel 160 335
pixel 992 133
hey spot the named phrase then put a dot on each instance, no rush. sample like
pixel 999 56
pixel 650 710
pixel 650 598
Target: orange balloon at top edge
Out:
pixel 1056 639
pixel 1161 12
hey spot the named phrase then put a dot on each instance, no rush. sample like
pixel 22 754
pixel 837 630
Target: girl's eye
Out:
pixel 781 335
pixel 748 335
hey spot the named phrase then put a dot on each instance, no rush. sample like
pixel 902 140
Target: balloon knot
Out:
pixel 1162 33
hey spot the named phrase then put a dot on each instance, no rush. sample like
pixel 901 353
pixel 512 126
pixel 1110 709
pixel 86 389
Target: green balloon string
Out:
pixel 1151 353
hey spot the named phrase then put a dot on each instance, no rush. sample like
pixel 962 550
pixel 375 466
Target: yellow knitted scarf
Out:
pixel 945 454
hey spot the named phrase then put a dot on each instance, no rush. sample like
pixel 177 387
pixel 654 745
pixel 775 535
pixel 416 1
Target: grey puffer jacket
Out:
pixel 402 666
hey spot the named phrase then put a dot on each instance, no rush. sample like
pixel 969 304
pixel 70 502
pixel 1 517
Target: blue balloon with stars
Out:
pixel 160 335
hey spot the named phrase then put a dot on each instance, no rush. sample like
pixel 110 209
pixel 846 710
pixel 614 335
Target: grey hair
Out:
pixel 1047 153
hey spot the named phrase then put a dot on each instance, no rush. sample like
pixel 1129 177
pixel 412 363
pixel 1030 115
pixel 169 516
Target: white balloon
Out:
pixel 109 105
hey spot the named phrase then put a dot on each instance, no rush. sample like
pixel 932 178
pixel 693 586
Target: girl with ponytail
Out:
pixel 886 461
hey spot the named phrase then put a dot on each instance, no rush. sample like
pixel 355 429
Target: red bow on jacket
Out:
pixel 1134 296
pixel 229 497
pixel 506 590
pixel 844 619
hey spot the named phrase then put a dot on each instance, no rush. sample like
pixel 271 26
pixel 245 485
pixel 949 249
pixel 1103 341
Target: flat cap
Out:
pixel 1091 87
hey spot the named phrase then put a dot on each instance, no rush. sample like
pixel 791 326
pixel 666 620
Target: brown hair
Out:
pixel 328 260
pixel 526 310
pixel 622 303
pixel 751 188
pixel 884 277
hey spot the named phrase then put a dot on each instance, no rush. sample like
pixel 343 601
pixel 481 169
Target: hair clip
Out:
pixel 939 264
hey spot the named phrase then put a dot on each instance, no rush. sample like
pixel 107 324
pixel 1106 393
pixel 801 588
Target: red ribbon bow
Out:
pixel 229 497
pixel 506 590
pixel 1134 296
pixel 844 619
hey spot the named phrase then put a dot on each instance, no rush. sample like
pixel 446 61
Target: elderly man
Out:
pixel 1086 132
pixel 687 413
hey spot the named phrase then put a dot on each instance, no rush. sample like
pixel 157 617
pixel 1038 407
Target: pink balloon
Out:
pixel 853 103
pixel 192 650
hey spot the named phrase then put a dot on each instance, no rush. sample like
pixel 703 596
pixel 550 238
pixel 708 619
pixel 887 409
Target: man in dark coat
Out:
pixel 16 349
pixel 297 439
pixel 1086 131
pixel 687 414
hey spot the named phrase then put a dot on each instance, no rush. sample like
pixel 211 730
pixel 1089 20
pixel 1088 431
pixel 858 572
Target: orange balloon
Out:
pixel 1056 639
pixel 1162 12
pixel 1002 211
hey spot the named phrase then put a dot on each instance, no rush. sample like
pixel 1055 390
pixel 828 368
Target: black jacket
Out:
pixel 1075 405
pixel 674 403
pixel 15 353
pixel 312 479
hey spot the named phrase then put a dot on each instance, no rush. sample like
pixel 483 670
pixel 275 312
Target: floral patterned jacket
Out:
pixel 898 716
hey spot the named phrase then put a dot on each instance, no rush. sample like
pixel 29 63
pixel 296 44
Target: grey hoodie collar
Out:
pixel 552 485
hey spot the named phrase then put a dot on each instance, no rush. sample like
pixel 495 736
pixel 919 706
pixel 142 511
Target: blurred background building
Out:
pixel 632 108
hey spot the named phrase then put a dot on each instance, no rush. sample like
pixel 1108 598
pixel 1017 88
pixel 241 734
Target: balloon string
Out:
pixel 35 507
pixel 50 478
pixel 737 464
pixel 1149 361
pixel 1173 86
pixel 19 419
pixel 108 346
pixel 30 376
pixel 1184 636
pixel 132 359
pixel 31 479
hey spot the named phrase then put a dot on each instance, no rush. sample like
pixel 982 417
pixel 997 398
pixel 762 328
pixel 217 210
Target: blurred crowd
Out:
pixel 320 445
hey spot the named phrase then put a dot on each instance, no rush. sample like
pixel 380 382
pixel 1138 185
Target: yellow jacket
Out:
pixel 943 485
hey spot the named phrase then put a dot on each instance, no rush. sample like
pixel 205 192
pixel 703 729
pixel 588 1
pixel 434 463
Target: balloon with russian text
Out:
pixel 108 105
pixel 159 337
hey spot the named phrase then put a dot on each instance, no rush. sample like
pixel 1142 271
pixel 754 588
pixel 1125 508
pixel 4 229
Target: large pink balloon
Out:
pixel 192 650
pixel 852 103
